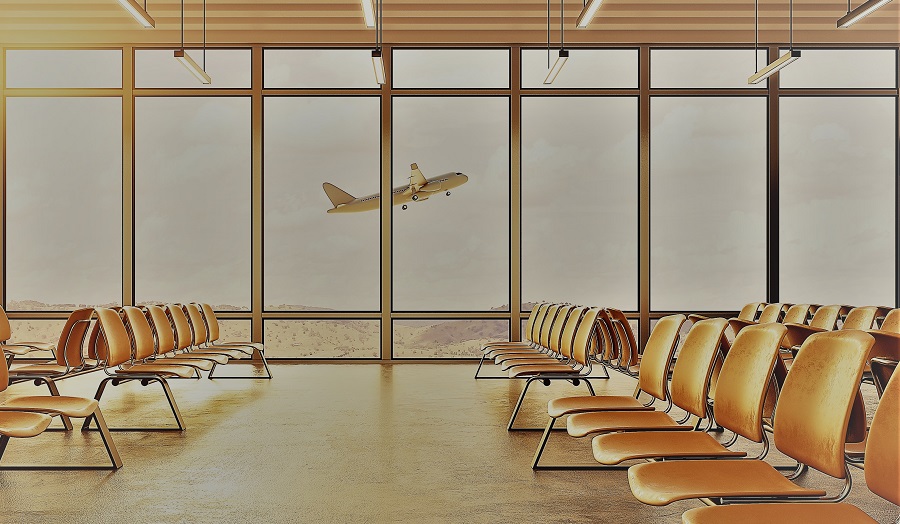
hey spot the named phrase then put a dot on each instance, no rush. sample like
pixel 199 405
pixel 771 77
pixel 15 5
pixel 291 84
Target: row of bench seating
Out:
pixel 735 384
pixel 150 344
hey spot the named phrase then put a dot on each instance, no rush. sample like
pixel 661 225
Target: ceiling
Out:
pixel 55 22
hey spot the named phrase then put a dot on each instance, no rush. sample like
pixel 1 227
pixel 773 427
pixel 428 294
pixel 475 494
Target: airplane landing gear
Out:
pixel 404 207
pixel 415 197
pixel 448 193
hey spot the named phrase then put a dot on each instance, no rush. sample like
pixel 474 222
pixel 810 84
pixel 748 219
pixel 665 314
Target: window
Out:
pixel 450 68
pixel 192 200
pixel 318 68
pixel 445 338
pixel 63 202
pixel 585 68
pixel 228 68
pixel 452 253
pixel 698 68
pixel 53 68
pixel 323 338
pixel 842 68
pixel 838 200
pixel 579 200
pixel 708 202
pixel 315 260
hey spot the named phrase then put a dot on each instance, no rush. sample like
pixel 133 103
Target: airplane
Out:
pixel 418 190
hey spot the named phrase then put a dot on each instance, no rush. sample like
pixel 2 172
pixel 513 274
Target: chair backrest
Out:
pixel 4 376
pixel 860 318
pixel 883 445
pixel 745 378
pixel 532 318
pixel 826 317
pixel 582 344
pixel 113 346
pixel 748 312
pixel 69 347
pixel 796 314
pixel 5 328
pixel 162 329
pixel 628 347
pixel 609 341
pixel 183 335
pixel 813 410
pixel 566 315
pixel 654 372
pixel 212 323
pixel 690 377
pixel 141 333
pixel 770 313
pixel 198 325
pixel 551 318
pixel 567 333
pixel 891 321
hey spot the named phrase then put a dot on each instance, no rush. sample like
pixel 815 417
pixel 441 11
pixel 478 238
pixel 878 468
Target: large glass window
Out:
pixel 445 338
pixel 323 338
pixel 579 200
pixel 54 68
pixel 318 68
pixel 63 202
pixel 699 68
pixel 586 68
pixel 838 200
pixel 451 68
pixel 228 68
pixel 708 202
pixel 452 253
pixel 315 259
pixel 842 68
pixel 192 200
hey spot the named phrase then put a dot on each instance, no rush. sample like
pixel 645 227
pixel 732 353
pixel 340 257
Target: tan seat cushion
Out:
pixel 794 513
pixel 77 407
pixel 615 448
pixel 230 353
pixel 23 425
pixel 568 405
pixel 511 363
pixel 584 424
pixel 23 348
pixel 534 369
pixel 198 363
pixel 518 353
pixel 38 369
pixel 661 483
pixel 158 369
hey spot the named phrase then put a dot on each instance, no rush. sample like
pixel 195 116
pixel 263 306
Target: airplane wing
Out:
pixel 416 178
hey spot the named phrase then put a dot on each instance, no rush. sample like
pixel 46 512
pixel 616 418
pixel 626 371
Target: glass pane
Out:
pixel 451 68
pixel 838 200
pixel 323 338
pixel 452 253
pixel 579 167
pixel 318 68
pixel 36 331
pixel 192 200
pixel 63 202
pixel 446 338
pixel 842 68
pixel 71 68
pixel 239 330
pixel 158 68
pixel 585 68
pixel 696 68
pixel 315 260
pixel 708 202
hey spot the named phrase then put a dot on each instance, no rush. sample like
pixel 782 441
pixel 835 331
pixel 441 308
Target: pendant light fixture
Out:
pixel 782 61
pixel 139 13
pixel 563 53
pixel 377 60
pixel 185 59
pixel 587 14
pixel 864 10
pixel 368 8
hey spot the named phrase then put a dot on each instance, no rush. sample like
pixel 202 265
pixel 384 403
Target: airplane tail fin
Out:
pixel 337 195
pixel 416 178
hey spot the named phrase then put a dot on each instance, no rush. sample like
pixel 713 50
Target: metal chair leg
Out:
pixel 543 443
pixel 179 420
pixel 111 449
pixel 515 413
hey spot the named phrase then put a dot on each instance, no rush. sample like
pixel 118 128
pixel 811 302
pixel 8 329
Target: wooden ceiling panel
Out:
pixel 284 22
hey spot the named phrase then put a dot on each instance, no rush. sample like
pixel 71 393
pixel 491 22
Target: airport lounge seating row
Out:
pixel 150 344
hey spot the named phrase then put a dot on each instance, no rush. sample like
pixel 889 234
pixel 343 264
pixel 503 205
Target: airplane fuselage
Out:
pixel 402 195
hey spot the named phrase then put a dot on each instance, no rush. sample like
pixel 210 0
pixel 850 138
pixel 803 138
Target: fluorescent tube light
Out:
pixel 557 67
pixel 368 8
pixel 587 14
pixel 774 67
pixel 192 66
pixel 378 64
pixel 860 12
pixel 138 12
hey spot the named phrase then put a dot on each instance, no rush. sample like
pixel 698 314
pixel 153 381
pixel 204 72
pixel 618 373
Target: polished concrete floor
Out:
pixel 331 443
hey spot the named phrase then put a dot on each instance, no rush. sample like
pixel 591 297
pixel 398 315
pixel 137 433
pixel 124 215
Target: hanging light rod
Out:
pixel 557 66
pixel 192 66
pixel 587 14
pixel 138 12
pixel 774 67
pixel 860 12
pixel 368 12
pixel 378 64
